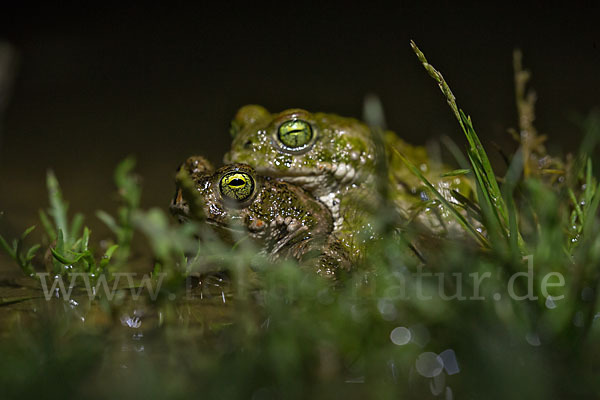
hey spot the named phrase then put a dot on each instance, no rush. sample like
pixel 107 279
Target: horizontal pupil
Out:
pixel 237 182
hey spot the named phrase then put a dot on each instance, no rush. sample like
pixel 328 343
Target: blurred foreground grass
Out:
pixel 514 316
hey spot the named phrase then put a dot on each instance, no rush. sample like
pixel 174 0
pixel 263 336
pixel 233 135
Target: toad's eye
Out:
pixel 295 133
pixel 237 186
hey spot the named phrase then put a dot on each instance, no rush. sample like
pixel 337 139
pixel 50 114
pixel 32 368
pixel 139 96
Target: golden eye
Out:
pixel 237 186
pixel 295 133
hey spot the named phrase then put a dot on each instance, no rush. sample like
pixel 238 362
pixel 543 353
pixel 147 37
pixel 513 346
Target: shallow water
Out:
pixel 129 335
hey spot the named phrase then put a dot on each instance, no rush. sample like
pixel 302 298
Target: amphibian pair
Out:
pixel 339 162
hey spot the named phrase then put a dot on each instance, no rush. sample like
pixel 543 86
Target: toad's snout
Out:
pixel 179 207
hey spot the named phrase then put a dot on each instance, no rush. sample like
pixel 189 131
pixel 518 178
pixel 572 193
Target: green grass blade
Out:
pixel 456 152
pixel 11 252
pixel 128 184
pixel 122 172
pixel 31 252
pixel 459 217
pixel 60 241
pixel 437 76
pixel 48 227
pixel 58 207
pixel 477 150
pixel 468 204
pixel 19 253
pixel 456 172
pixel 76 225
pixel 483 184
pixel 63 259
pixel 484 163
pixel 513 175
pixel 85 239
pixel 578 210
pixel 109 221
pixel 107 256
pixel 27 232
pixel 489 212
pixel 591 126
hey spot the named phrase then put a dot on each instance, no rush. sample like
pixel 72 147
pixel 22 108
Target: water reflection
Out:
pixel 131 322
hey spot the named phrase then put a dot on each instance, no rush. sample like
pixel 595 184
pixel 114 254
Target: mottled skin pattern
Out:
pixel 283 218
pixel 340 143
pixel 339 166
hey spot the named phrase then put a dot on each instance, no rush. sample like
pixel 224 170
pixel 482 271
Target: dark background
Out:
pixel 95 85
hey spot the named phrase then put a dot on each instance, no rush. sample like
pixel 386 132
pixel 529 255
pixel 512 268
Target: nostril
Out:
pixel 248 144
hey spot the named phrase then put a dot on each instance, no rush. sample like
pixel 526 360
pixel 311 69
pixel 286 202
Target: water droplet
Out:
pixel 130 322
pixel 400 336
pixel 550 304
pixel 428 364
